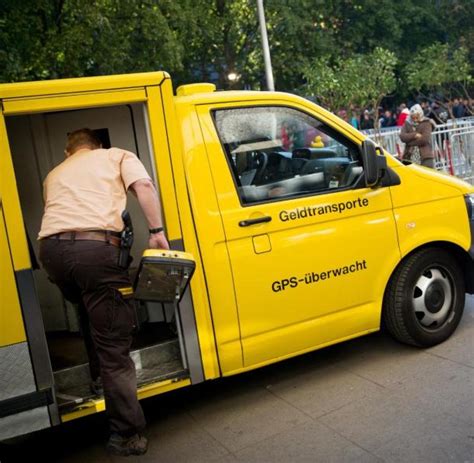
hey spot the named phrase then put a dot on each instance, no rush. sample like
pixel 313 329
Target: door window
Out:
pixel 276 153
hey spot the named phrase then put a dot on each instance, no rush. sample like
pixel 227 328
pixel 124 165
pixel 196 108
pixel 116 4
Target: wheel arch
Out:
pixel 461 255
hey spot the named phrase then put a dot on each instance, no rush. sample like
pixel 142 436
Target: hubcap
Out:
pixel 433 298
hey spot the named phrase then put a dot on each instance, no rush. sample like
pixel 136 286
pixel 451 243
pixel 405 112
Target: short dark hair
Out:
pixel 80 137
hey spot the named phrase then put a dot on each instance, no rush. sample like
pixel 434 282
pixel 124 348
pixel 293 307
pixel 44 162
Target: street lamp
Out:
pixel 232 76
pixel 266 50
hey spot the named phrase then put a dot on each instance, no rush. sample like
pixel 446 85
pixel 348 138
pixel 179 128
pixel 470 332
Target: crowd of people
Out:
pixel 364 119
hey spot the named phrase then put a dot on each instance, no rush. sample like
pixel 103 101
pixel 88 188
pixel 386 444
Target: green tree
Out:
pixel 298 31
pixel 43 39
pixel 377 74
pixel 326 83
pixel 198 40
pixel 397 26
pixel 441 73
pixel 457 17
pixel 223 36
pixel 220 37
pixel 362 80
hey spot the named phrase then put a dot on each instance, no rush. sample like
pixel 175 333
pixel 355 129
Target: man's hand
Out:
pixel 158 241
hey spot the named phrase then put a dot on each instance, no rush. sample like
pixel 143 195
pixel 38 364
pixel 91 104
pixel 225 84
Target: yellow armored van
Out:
pixel 290 231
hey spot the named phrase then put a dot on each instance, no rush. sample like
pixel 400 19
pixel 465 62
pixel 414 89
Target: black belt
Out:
pixel 107 236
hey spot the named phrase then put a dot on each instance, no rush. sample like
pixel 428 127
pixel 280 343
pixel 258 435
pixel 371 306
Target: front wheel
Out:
pixel 424 299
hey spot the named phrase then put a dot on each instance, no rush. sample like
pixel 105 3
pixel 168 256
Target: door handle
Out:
pixel 248 222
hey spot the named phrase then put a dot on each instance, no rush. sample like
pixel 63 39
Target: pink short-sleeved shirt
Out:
pixel 88 191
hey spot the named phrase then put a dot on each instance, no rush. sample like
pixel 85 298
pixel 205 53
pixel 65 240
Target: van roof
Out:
pixel 81 84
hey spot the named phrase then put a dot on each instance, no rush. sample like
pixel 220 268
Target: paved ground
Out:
pixel 367 400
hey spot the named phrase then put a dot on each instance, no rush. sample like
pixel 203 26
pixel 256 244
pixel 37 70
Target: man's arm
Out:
pixel 147 197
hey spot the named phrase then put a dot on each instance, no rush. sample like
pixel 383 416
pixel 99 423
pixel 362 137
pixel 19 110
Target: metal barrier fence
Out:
pixel 462 147
pixel 453 146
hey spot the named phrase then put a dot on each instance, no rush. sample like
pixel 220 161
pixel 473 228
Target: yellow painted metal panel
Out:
pixel 317 270
pixel 163 162
pixel 12 329
pixel 205 224
pixel 261 243
pixel 96 406
pixel 304 351
pixel 430 207
pixel 181 137
pixel 167 146
pixel 81 84
pixel 192 89
pixel 423 185
pixel 445 220
pixel 11 204
pixel 72 101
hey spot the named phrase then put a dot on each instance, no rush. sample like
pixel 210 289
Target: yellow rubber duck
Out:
pixel 317 142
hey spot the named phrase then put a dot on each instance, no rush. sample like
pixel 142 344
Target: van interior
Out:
pixel 37 144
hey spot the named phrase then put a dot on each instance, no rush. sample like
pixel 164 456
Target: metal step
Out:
pixel 153 364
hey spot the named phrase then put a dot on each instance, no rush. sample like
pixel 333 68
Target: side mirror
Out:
pixel 374 165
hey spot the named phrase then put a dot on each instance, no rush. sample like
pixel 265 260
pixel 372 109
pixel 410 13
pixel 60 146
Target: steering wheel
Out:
pixel 263 162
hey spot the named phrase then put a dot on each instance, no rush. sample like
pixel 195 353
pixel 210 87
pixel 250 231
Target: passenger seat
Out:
pixel 351 173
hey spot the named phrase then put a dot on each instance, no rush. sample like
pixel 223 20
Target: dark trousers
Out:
pixel 87 273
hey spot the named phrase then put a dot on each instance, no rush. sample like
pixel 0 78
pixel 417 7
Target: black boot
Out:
pixel 126 446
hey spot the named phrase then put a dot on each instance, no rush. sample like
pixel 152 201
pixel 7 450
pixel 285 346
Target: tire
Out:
pixel 424 299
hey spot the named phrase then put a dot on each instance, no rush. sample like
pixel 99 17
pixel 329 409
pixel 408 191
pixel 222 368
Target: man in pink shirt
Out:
pixel 79 249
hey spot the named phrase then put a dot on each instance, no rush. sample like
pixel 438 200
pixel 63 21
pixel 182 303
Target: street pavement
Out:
pixel 367 400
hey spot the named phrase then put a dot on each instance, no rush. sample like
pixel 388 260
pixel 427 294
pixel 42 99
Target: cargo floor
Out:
pixel 80 393
pixel 67 349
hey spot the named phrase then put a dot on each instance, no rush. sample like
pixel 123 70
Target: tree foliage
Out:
pixel 356 80
pixel 43 39
pixel 221 37
pixel 440 70
pixel 326 83
pixel 206 40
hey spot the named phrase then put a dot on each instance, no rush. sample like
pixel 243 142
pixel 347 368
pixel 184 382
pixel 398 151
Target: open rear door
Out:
pixel 163 276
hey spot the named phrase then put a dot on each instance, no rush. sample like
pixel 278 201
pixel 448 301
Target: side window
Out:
pixel 279 153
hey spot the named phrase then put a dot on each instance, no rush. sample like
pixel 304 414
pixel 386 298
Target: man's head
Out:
pixel 80 139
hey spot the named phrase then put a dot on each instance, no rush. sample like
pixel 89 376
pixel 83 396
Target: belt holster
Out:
pixel 126 241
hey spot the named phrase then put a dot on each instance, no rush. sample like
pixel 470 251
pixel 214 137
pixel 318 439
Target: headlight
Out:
pixel 470 205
